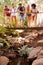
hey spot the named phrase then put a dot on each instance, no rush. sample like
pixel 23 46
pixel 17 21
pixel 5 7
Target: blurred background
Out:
pixel 25 2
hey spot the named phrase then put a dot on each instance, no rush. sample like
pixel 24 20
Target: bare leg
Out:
pixel 35 20
pixel 22 23
pixel 15 21
pixel 29 20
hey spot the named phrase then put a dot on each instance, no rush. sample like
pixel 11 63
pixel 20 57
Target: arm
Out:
pixel 21 11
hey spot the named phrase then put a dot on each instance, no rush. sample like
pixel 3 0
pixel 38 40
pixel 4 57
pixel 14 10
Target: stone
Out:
pixel 40 54
pixel 34 52
pixel 40 41
pixel 4 60
pixel 38 62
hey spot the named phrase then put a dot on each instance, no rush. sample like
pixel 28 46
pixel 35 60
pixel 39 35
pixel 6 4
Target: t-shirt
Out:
pixel 21 9
pixel 7 9
pixel 13 11
pixel 34 11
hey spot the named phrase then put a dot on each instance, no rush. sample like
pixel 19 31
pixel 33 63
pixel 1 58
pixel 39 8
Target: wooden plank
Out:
pixel 27 28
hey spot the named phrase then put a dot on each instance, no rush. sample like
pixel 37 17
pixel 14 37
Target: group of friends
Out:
pixel 30 13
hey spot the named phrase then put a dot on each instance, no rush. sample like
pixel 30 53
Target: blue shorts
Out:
pixel 22 17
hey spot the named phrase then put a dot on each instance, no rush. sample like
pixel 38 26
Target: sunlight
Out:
pixel 20 31
pixel 40 19
pixel 31 1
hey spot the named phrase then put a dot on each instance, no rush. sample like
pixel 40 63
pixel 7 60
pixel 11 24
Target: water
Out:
pixel 20 61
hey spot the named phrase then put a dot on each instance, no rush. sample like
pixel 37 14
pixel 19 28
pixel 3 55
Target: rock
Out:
pixel 11 40
pixel 21 40
pixel 27 41
pixel 35 35
pixel 40 32
pixel 1 52
pixel 32 36
pixel 4 60
pixel 40 54
pixel 34 52
pixel 38 62
pixel 11 56
pixel 10 53
pixel 16 40
pixel 40 41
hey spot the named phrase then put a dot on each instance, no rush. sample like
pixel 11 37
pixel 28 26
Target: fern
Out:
pixel 4 41
pixel 3 30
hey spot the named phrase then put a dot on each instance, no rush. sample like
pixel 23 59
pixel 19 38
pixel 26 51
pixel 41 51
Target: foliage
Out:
pixel 25 50
pixel 6 42
pixel 1 45
pixel 2 30
pixel 14 32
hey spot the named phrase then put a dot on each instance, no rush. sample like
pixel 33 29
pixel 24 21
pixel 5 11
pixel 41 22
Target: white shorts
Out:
pixel 13 14
pixel 33 14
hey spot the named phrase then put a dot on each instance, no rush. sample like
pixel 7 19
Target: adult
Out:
pixel 21 10
pixel 7 12
pixel 13 13
pixel 28 13
pixel 34 12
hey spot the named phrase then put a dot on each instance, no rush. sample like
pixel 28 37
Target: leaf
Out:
pixel 4 40
pixel 2 30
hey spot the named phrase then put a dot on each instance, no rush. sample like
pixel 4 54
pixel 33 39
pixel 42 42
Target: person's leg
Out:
pixel 32 21
pixel 29 21
pixel 22 21
pixel 36 20
pixel 7 20
pixel 32 18
pixel 28 18
pixel 11 21
pixel 11 18
pixel 15 18
pixel 15 21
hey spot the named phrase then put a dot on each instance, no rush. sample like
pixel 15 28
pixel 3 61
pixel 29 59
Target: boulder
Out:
pixel 40 43
pixel 40 54
pixel 16 40
pixel 40 32
pixel 4 60
pixel 34 52
pixel 38 62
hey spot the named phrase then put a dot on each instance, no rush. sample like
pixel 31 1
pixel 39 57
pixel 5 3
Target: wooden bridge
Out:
pixel 27 28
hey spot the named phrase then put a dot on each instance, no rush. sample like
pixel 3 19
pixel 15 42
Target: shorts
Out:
pixel 13 14
pixel 22 17
pixel 28 14
pixel 8 15
pixel 33 14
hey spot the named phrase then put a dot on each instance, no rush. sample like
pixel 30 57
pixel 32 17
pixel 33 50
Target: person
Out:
pixel 7 12
pixel 13 13
pixel 34 12
pixel 21 10
pixel 28 13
